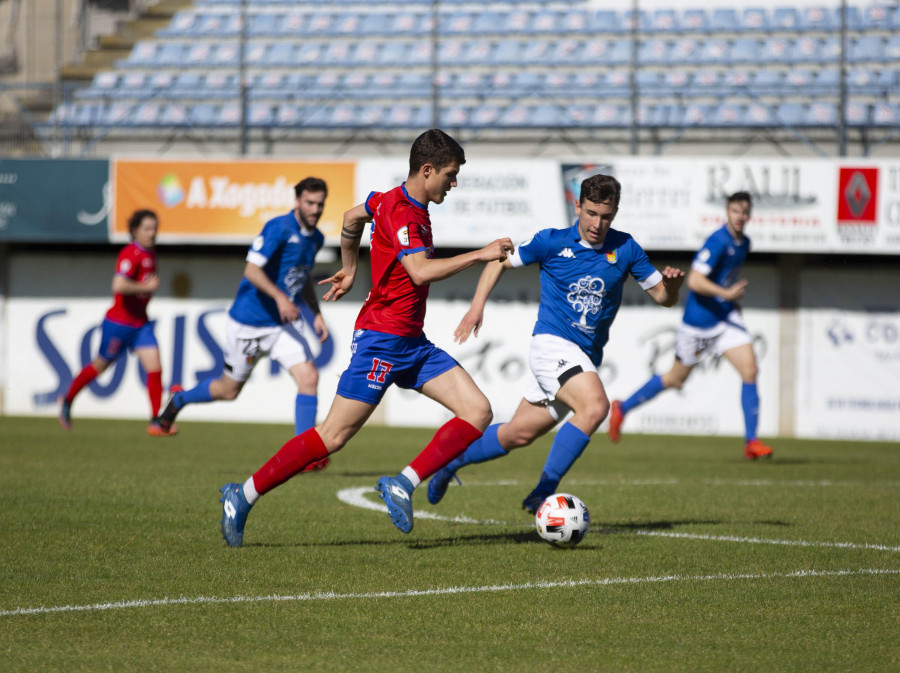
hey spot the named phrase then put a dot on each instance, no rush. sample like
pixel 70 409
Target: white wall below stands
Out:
pixel 844 381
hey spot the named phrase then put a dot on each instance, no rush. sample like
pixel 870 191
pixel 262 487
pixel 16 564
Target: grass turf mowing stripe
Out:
pixel 325 596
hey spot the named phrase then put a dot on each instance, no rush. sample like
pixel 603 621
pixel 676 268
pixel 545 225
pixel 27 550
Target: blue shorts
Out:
pixel 381 359
pixel 116 338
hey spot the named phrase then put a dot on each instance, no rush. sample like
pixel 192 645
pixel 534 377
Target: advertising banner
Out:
pixel 54 200
pixel 848 383
pixel 223 201
pixel 799 205
pixel 493 198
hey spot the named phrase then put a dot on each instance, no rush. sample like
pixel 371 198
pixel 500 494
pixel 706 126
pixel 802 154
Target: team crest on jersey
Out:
pixel 125 266
pixel 257 243
pixel 611 256
pixel 403 236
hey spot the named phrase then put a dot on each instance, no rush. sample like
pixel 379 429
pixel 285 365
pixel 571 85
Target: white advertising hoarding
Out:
pixel 848 383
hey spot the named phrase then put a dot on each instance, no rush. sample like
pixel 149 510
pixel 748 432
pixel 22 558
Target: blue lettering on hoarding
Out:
pixel 64 375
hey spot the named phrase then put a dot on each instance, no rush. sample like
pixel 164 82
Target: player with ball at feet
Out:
pixel 389 346
pixel 583 270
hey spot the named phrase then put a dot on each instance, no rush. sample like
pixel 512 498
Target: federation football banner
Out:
pixel 58 200
pixel 493 198
pixel 848 384
pixel 223 201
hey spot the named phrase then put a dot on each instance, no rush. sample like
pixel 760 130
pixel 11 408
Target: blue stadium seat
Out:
pixel 886 114
pixel 343 115
pixel 685 51
pixel 676 80
pixel 293 24
pixel 507 53
pixel 526 83
pixel 605 21
pixel 468 83
pixel 544 22
pixel 227 114
pixel 104 84
pixel 768 82
pixel 288 115
pixel 815 18
pixel 664 21
pixel 181 25
pixel 198 55
pixel 615 82
pixel 337 53
pixel 791 114
pixel 567 51
pixel 321 24
pixel 892 48
pixel 694 114
pixel 642 17
pixel 573 20
pixel 737 82
pixel 759 114
pixel 655 116
pixel 808 81
pixel 228 54
pixel 653 51
pixel 188 84
pixel 485 116
pixel 744 50
pixel 454 116
pixel 695 21
pixel 143 54
pixel 456 24
pixel 403 23
pixel 408 116
pixel 854 18
pixel 264 25
pixel 347 23
pixel 558 83
pixel 609 115
pixel 146 114
pixel 856 114
pixel 727 114
pixel 260 114
pixel 875 17
pixel 776 50
pixel 488 22
pixel 724 21
pixel 477 53
pixel 706 83
pixel 573 116
pixel 414 83
pixel 866 48
pixel 516 115
pixel 649 82
pixel 755 19
pixel 785 18
pixel 821 113
pixel 279 55
pixel 713 51
pixel 517 22
pixel 116 114
pixel 174 114
pixel 536 51
pixel 830 49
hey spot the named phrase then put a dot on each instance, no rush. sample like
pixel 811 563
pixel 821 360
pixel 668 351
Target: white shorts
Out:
pixel 553 361
pixel 694 343
pixel 245 345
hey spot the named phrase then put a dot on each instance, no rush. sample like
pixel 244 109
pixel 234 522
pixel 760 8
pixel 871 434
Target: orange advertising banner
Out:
pixel 224 201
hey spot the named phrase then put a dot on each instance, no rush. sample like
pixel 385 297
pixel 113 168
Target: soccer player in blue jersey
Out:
pixel 266 316
pixel 712 323
pixel 583 270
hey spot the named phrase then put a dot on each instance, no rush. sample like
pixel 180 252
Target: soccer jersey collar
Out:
pixel 582 243
pixel 423 206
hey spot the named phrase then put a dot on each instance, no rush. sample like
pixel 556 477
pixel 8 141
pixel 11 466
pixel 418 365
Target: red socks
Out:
pixel 154 391
pixel 84 377
pixel 451 439
pixel 295 455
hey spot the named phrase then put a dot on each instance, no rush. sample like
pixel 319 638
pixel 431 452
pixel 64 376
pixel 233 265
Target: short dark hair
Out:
pixel 436 148
pixel 313 185
pixel 740 196
pixel 600 189
pixel 137 217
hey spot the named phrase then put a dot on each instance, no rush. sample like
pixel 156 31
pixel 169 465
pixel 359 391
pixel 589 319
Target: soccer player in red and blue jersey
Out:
pixel 389 346
pixel 126 326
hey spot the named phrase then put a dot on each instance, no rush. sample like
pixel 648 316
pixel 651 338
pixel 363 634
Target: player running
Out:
pixel 583 270
pixel 712 323
pixel 389 346
pixel 267 318
pixel 126 326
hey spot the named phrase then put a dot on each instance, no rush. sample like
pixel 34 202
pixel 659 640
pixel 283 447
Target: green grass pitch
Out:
pixel 111 558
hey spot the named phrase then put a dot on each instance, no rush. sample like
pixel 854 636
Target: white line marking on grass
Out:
pixel 330 596
pixel 802 483
pixel 357 498
pixel 752 540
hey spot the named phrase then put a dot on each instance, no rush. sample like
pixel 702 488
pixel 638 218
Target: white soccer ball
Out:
pixel 562 520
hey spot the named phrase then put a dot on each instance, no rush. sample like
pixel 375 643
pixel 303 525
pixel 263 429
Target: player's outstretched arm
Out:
pixel 701 284
pixel 422 270
pixel 473 318
pixel 665 292
pixel 355 221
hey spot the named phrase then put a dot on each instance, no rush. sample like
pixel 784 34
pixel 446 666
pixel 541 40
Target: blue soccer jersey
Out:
pixel 581 285
pixel 286 253
pixel 720 259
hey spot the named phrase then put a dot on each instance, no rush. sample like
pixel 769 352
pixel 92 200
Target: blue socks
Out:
pixel 750 405
pixel 199 393
pixel 305 408
pixel 481 450
pixel 568 444
pixel 651 389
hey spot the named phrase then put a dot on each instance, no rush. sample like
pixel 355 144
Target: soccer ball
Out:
pixel 562 520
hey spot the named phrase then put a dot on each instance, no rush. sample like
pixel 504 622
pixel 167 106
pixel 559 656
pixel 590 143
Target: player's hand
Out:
pixel 673 278
pixel 287 309
pixel 150 283
pixel 320 327
pixel 341 283
pixel 736 291
pixel 498 251
pixel 471 320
